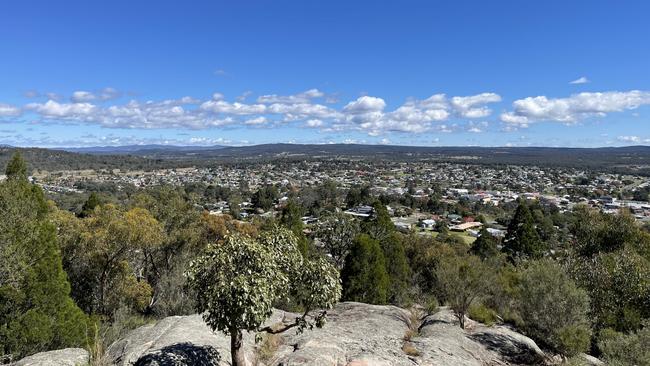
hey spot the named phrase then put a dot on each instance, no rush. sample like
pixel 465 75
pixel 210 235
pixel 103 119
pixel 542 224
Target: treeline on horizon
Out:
pixel 624 160
pixel 84 276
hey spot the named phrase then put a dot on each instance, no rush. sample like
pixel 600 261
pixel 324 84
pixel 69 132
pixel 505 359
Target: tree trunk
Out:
pixel 236 348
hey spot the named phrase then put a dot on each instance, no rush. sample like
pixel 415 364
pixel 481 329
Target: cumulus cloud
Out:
pixel 477 127
pixel 365 104
pixel 580 80
pixel 82 96
pixel 256 121
pixel 7 110
pixel 368 114
pixel 415 116
pixel 53 109
pixel 474 106
pixel 574 108
pixel 632 139
pixel 304 97
pixel 314 123
pixel 109 94
pixel 222 106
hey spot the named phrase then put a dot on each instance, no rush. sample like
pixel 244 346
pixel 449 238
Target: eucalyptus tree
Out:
pixel 238 280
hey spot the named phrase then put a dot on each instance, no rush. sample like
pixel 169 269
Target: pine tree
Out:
pixel 16 168
pixel 485 246
pixel 522 240
pixel 397 267
pixel 364 275
pixel 379 225
pixel 90 204
pixel 292 219
pixel 36 311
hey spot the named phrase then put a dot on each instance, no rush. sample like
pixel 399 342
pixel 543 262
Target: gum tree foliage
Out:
pixel 107 255
pixel 36 311
pixel 619 285
pixel 186 232
pixel 462 281
pixel 595 232
pixel 336 232
pixel 611 261
pixel 554 310
pixel 238 280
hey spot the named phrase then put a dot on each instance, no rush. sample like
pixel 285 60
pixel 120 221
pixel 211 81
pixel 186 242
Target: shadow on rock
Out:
pixel 510 348
pixel 181 354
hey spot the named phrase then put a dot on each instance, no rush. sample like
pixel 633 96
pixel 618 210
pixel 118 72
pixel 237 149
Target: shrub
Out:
pixel 553 308
pixel 621 349
pixel 432 306
pixel 483 314
pixel 463 280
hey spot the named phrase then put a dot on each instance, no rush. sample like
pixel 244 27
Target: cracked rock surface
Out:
pixel 355 335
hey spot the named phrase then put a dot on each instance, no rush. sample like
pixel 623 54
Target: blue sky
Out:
pixel 552 73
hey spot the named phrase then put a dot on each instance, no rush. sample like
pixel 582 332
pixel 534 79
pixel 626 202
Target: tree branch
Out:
pixel 296 323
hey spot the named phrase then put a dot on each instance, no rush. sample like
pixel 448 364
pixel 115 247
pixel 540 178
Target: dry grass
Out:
pixel 268 348
pixel 416 314
pixel 410 349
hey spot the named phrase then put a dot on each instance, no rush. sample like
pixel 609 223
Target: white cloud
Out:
pixel 367 114
pixel 256 121
pixel 415 116
pixel 62 110
pixel 632 139
pixel 314 123
pixel 475 127
pixel 304 97
pixel 109 94
pixel 221 106
pixel 244 96
pixel 82 96
pixel 574 108
pixel 365 104
pixel 7 110
pixel 580 80
pixel 474 106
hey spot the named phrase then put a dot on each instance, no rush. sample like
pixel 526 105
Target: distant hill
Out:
pixel 635 159
pixel 631 158
pixel 55 160
pixel 136 149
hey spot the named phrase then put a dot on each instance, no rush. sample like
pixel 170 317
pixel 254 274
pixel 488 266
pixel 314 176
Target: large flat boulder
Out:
pixel 178 340
pixel 355 335
pixel 442 342
pixel 61 357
